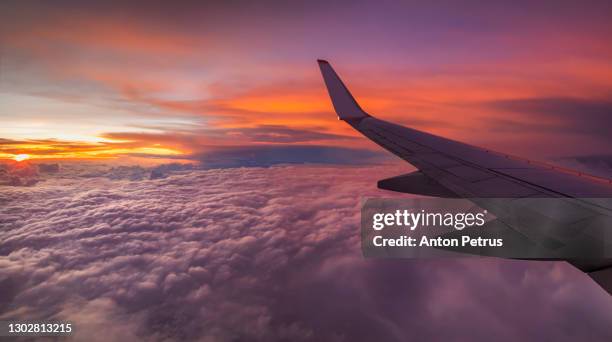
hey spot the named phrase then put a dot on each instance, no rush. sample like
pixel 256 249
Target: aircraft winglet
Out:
pixel 344 103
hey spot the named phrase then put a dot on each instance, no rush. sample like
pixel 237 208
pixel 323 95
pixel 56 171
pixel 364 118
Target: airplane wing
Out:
pixel 448 168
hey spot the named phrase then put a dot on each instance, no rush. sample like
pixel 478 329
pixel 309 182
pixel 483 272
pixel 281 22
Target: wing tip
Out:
pixel 344 103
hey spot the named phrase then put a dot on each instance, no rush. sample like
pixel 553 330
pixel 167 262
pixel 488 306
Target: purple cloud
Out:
pixel 261 254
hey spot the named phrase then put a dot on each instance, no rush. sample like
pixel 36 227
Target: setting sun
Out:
pixel 21 157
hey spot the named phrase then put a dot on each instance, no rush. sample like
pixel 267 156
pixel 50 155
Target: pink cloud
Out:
pixel 261 254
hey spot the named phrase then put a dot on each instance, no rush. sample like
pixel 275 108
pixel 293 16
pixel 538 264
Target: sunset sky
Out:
pixel 181 80
pixel 174 171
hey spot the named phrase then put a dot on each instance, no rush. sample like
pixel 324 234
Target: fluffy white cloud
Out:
pixel 260 254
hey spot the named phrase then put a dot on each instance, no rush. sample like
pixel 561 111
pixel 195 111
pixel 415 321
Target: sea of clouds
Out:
pixel 259 254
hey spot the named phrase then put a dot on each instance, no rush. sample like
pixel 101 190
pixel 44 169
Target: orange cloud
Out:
pixel 111 36
pixel 54 149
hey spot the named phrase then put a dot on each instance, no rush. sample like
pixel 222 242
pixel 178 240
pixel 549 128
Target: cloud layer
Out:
pixel 261 254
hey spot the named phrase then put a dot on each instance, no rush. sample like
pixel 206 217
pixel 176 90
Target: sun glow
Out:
pixel 21 157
